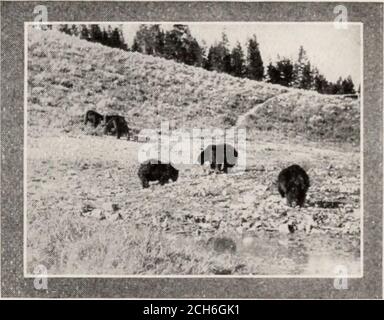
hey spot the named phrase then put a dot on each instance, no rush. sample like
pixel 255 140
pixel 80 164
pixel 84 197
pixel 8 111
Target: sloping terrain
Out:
pixel 314 116
pixel 67 76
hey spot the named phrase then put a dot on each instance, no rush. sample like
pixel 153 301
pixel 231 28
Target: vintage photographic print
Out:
pixel 192 149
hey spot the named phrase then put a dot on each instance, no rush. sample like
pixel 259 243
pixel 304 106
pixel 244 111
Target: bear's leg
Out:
pixel 145 183
pixel 118 131
pixel 163 181
pixel 301 200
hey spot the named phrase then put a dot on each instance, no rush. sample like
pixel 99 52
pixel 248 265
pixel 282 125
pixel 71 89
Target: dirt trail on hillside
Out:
pixel 246 119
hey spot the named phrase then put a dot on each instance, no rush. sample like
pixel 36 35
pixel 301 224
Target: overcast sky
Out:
pixel 336 52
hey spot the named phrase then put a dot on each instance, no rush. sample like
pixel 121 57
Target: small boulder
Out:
pixel 98 214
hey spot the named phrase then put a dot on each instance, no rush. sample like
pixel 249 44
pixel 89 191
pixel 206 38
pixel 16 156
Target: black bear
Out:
pixel 93 117
pixel 154 170
pixel 293 183
pixel 116 124
pixel 220 156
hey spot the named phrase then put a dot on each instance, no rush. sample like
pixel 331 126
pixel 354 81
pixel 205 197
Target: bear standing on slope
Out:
pixel 293 183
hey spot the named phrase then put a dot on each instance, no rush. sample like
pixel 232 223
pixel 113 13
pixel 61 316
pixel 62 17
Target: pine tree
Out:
pixel 215 59
pixel 149 39
pixel 194 53
pixel 123 45
pixel 320 84
pixel 158 39
pixel 237 61
pixel 299 68
pixel 105 37
pixel 285 69
pixel 339 86
pixel 139 40
pixel 348 86
pixel 135 46
pixel 174 48
pixel 75 30
pixel 281 73
pixel 335 88
pixel 95 33
pixel 84 32
pixel 181 46
pixel 109 36
pixel 209 59
pixel 219 57
pixel 64 28
pixel 307 80
pixel 255 67
pixel 115 40
pixel 226 55
pixel 273 75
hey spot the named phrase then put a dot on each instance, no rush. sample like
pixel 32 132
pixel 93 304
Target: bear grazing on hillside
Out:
pixel 220 156
pixel 154 170
pixel 116 124
pixel 293 183
pixel 93 117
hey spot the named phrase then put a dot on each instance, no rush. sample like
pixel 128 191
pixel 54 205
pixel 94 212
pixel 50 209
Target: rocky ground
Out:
pixel 86 210
pixel 88 214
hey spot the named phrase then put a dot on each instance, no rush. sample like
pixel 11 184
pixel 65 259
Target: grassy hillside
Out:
pixel 71 75
pixel 315 116
pixel 68 76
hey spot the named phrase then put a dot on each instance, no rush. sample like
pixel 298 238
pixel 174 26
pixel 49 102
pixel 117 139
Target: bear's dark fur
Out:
pixel 93 117
pixel 154 170
pixel 220 156
pixel 116 124
pixel 293 183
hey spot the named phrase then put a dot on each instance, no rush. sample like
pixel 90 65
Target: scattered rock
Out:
pixel 113 216
pixel 84 166
pixel 98 214
pixel 109 206
pixel 87 207
pixel 287 228
pixel 223 244
pixel 348 208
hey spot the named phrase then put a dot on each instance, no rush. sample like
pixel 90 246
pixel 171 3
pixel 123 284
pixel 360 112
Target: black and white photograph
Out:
pixel 192 149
